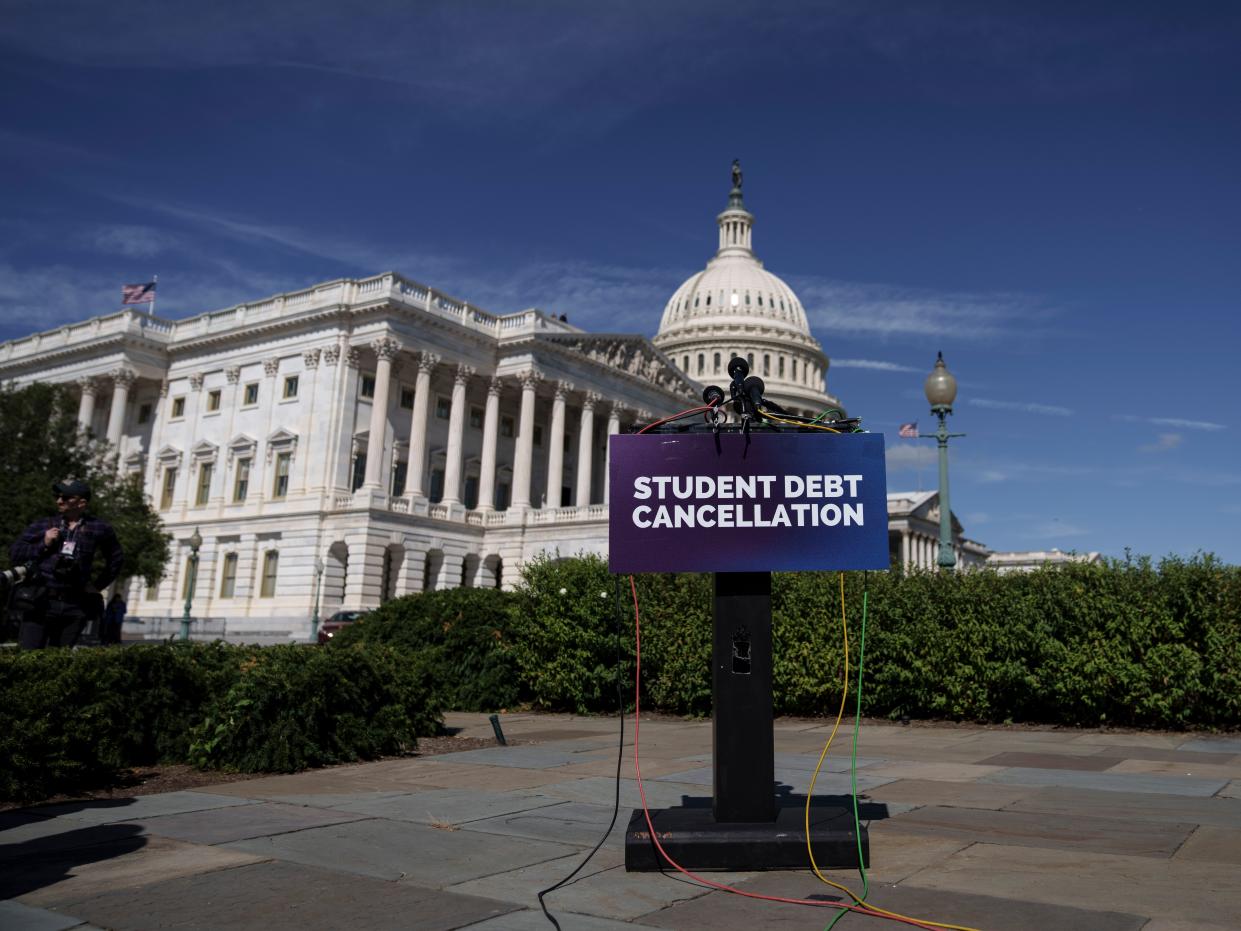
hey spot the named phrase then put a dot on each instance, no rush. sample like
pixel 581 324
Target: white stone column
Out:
pixel 905 550
pixel 415 472
pixel 385 351
pixel 86 407
pixel 122 379
pixel 524 459
pixel 491 427
pixel 613 428
pixel 456 436
pixel 586 448
pixel 555 453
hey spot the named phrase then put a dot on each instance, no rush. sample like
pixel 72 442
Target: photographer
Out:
pixel 62 591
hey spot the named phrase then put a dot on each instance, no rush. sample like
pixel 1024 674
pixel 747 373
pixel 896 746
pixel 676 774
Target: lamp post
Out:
pixel 195 541
pixel 941 391
pixel 314 621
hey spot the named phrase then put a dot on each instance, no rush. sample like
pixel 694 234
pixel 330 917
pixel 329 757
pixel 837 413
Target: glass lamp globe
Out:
pixel 196 539
pixel 940 387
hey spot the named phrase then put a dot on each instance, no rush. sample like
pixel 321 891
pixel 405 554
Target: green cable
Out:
pixel 857 723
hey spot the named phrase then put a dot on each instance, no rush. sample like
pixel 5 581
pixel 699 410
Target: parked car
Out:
pixel 329 628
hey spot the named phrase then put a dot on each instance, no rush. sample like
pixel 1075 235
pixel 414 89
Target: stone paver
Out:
pixel 1212 844
pixel 1139 885
pixel 61 878
pixel 399 850
pixel 1059 800
pixel 450 806
pixel 1108 782
pixel 725 912
pixel 1034 829
pixel 998 828
pixel 313 900
pixel 14 916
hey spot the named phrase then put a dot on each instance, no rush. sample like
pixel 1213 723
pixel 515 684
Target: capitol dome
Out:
pixel 735 307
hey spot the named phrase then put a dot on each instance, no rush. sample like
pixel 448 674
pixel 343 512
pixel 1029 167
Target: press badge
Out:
pixel 68 548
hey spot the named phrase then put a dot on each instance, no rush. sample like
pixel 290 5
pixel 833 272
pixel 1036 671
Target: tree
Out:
pixel 41 444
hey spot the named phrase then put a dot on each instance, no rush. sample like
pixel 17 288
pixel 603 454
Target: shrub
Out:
pixel 71 719
pixel 296 706
pixel 462 637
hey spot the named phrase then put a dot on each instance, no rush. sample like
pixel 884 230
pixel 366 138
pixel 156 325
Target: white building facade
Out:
pixel 367 438
pixel 354 441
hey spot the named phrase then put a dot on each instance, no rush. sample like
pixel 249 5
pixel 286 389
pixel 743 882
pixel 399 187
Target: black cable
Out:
pixel 620 755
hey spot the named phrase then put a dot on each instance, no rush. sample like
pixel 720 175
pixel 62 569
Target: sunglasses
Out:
pixel 68 498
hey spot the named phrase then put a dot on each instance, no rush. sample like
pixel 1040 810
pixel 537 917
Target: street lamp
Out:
pixel 941 391
pixel 314 621
pixel 195 541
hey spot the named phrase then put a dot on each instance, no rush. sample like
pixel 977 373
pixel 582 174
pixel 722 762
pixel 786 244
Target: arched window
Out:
pixel 271 563
pixel 766 364
pixel 708 300
pixel 781 369
pixel 685 363
pixel 747 299
pixel 702 363
pixel 717 363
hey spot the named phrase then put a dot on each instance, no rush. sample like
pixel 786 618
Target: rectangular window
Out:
pixel 290 386
pixel 367 387
pixel 398 479
pixel 280 481
pixel 271 560
pixel 502 493
pixel 250 395
pixel 407 398
pixel 178 408
pixel 476 418
pixel 144 413
pixel 205 471
pixel 443 408
pixel 228 576
pixel 471 492
pixel 213 400
pixel 359 471
pixel 506 426
pixel 566 496
pixel 437 485
pixel 241 484
pixel 170 485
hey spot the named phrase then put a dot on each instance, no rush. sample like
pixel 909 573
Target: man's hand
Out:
pixel 50 536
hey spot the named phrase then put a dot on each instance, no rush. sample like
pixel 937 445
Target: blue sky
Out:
pixel 1049 193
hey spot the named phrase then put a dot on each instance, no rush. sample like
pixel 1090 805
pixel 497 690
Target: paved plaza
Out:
pixel 999 829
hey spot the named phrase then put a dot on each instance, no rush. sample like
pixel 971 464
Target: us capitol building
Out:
pixel 368 438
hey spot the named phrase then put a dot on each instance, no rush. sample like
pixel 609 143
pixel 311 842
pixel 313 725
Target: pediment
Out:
pixel 169 456
pixel 633 355
pixel 204 449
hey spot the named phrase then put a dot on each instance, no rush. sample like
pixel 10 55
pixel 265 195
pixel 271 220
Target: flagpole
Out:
pixel 154 289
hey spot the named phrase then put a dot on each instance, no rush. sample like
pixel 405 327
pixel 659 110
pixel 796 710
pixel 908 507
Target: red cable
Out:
pixel 685 413
pixel 637 714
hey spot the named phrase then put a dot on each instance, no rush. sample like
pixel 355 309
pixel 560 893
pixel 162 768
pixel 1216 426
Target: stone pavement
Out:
pixel 1000 829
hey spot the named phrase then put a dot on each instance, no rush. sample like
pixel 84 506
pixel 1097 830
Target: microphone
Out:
pixel 713 395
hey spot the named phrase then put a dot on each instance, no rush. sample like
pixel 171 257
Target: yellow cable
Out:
pixel 810 794
pixel 795 423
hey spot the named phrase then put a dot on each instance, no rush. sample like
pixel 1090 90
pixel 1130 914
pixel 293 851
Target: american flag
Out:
pixel 909 431
pixel 138 293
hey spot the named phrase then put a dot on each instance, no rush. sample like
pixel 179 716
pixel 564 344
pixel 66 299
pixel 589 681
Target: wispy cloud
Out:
pixel 1054 529
pixel 129 240
pixel 909 456
pixel 880 310
pixel 874 364
pixel 1177 422
pixel 1163 443
pixel 1025 407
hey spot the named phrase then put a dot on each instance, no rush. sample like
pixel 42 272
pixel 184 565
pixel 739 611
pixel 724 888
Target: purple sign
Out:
pixel 777 501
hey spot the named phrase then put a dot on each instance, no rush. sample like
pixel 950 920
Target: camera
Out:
pixel 11 578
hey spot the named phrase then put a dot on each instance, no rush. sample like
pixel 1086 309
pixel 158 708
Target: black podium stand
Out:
pixel 748 825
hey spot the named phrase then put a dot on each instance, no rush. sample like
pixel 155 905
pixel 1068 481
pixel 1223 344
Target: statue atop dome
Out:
pixel 736 174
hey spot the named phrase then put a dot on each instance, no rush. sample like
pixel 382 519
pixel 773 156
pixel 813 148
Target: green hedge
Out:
pixel 1121 643
pixel 463 638
pixel 70 719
